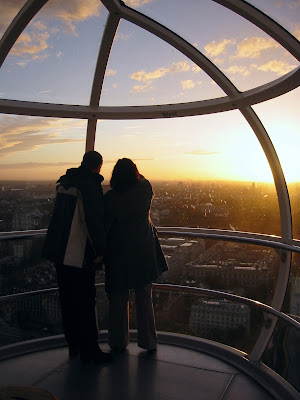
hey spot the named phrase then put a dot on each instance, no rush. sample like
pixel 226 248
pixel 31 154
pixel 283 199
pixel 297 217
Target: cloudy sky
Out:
pixel 54 61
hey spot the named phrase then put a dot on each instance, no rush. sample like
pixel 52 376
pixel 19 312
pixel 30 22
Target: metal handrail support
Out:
pixel 181 289
pixel 275 242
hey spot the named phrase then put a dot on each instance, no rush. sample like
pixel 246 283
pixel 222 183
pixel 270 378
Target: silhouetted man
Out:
pixel 75 241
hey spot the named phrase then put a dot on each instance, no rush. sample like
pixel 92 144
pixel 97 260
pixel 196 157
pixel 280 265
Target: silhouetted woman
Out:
pixel 134 257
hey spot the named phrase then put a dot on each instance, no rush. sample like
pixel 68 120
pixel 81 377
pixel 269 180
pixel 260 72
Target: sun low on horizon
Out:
pixel 54 60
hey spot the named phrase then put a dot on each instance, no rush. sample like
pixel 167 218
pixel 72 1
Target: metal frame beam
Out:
pixel 103 56
pixel 27 12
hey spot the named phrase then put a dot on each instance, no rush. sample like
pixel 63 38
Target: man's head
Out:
pixel 92 160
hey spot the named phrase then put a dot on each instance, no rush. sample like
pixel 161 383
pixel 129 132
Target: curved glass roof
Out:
pixel 169 77
pixel 242 51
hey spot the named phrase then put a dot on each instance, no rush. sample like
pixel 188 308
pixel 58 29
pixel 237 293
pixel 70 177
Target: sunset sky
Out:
pixel 54 61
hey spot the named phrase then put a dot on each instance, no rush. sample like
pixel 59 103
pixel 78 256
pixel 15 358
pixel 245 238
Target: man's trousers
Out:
pixel 77 295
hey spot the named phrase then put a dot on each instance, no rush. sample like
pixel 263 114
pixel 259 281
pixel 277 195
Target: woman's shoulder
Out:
pixel 143 182
pixel 110 195
pixel 142 187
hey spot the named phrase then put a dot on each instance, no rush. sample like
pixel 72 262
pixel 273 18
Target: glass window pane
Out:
pixel 144 70
pixel 8 10
pixel 54 58
pixel 223 321
pixel 35 153
pixel 210 169
pixel 286 13
pixel 240 269
pixel 292 303
pixel 282 354
pixel 243 52
pixel 281 119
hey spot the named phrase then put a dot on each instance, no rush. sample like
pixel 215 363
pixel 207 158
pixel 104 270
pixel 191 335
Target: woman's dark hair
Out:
pixel 125 174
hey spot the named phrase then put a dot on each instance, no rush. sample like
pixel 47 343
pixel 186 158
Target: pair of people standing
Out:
pixel 87 229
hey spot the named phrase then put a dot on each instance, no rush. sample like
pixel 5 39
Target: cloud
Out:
pixel 58 54
pixel 142 76
pixel 188 84
pixel 23 63
pixel 124 36
pixel 294 4
pixel 20 134
pixel 195 68
pixel 181 66
pixel 137 3
pixel 111 72
pixel 72 11
pixel 252 47
pixel 39 26
pixel 45 91
pixel 30 43
pixel 141 88
pixel 279 67
pixel 68 11
pixel 29 165
pixel 8 10
pixel 35 165
pixel 202 153
pixel 213 49
pixel 143 159
pixel 296 33
pixel 235 69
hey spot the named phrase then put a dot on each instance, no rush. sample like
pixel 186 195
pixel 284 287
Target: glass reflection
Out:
pixel 283 353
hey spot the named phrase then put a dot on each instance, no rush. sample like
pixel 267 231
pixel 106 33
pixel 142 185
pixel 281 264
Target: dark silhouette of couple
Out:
pixel 87 229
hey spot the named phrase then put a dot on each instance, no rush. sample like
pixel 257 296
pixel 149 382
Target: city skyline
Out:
pixel 54 61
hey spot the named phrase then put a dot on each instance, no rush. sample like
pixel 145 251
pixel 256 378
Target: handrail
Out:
pixel 185 289
pixel 275 242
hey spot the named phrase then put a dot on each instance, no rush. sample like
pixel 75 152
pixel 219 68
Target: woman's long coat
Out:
pixel 134 256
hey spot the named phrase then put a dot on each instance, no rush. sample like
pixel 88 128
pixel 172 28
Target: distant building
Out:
pixel 246 274
pixel 39 308
pixel 180 251
pixel 220 314
pixel 218 210
pixel 26 219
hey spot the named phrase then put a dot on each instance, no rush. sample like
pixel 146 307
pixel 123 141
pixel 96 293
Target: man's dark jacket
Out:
pixel 76 233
